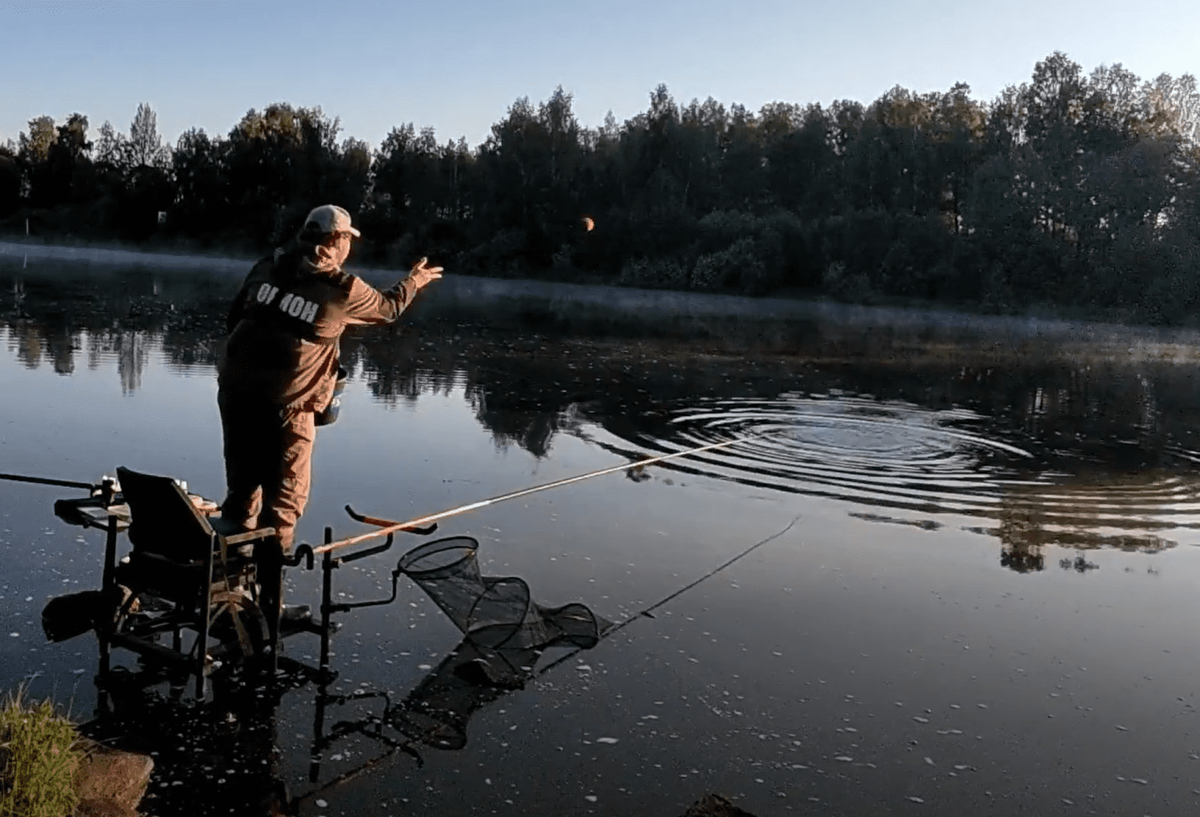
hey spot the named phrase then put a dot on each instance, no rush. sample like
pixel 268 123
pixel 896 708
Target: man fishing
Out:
pixel 280 366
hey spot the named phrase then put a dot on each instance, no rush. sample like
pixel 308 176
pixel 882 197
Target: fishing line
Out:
pixel 407 746
pixel 646 613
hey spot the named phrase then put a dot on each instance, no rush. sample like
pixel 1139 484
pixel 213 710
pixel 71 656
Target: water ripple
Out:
pixel 925 465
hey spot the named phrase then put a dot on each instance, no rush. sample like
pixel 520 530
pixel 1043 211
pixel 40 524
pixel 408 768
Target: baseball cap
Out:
pixel 329 218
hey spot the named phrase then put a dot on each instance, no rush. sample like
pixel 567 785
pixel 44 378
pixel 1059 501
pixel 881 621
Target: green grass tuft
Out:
pixel 39 754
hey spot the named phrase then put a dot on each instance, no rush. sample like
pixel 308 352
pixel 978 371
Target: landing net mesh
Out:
pixel 504 632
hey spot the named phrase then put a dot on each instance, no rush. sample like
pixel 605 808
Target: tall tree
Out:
pixel 405 173
pixel 282 162
pixel 110 147
pixel 69 170
pixel 1177 101
pixel 145 146
pixel 35 145
pixel 10 180
pixel 201 184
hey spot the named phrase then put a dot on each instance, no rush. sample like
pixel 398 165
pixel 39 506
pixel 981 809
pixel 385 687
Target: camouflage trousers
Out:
pixel 268 464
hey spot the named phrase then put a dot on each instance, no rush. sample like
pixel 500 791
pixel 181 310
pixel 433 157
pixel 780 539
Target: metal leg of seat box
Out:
pixel 205 621
pixel 108 584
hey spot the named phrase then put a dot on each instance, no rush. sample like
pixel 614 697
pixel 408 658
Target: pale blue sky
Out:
pixel 457 65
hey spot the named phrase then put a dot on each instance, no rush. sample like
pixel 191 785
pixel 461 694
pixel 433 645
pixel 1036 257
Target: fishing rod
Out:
pixel 390 527
pixel 65 483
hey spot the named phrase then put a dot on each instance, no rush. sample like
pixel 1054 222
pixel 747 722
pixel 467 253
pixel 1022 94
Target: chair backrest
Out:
pixel 162 518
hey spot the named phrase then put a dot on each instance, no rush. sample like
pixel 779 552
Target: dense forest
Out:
pixel 1073 192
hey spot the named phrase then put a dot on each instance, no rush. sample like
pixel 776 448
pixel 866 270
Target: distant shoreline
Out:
pixel 113 255
pixel 569 301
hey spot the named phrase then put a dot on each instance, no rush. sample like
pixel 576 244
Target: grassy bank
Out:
pixel 39 753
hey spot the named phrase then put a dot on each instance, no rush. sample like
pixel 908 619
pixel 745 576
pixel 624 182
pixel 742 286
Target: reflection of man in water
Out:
pixel 281 361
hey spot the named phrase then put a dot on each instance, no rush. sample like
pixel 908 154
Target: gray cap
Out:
pixel 329 218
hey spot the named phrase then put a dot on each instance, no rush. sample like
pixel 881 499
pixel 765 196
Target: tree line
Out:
pixel 1071 191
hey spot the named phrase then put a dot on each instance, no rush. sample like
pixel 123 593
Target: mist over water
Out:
pixel 984 557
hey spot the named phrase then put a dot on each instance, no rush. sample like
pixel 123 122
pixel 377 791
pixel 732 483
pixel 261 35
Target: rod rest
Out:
pixel 304 553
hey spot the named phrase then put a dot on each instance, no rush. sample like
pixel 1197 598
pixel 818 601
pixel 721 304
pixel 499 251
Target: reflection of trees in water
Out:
pixel 1087 412
pixel 35 344
pixel 511 422
pixel 526 388
pixel 18 298
pixel 507 396
pixel 58 345
pixel 27 342
pixel 1113 427
pixel 521 382
pixel 191 348
pixel 1087 420
pixel 1105 511
pixel 131 359
pixel 1022 538
pixel 62 354
pixel 398 364
pixel 531 371
pixel 1127 414
pixel 119 316
pixel 97 349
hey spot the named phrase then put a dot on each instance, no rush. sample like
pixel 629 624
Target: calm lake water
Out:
pixel 949 567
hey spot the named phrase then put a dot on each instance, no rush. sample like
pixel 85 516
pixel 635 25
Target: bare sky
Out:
pixel 457 65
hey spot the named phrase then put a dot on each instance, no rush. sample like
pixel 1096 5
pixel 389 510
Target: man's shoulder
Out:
pixel 344 280
pixel 262 268
pixel 347 282
pixel 341 284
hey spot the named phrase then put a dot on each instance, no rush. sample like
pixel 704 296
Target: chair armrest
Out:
pixel 249 536
pixel 205 506
pixel 91 512
pixel 145 557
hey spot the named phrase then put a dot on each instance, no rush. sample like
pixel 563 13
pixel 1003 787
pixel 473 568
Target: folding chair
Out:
pixel 187 571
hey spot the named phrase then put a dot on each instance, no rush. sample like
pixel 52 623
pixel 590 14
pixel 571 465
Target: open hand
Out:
pixel 422 273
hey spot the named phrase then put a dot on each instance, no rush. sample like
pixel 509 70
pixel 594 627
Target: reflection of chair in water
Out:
pixel 186 572
pixel 222 754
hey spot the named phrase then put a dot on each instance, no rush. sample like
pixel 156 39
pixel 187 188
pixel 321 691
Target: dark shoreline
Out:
pixel 595 306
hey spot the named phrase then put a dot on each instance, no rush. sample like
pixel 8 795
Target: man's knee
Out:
pixel 285 535
pixel 242 506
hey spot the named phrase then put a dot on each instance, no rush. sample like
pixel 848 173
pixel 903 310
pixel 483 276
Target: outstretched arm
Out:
pixel 368 305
